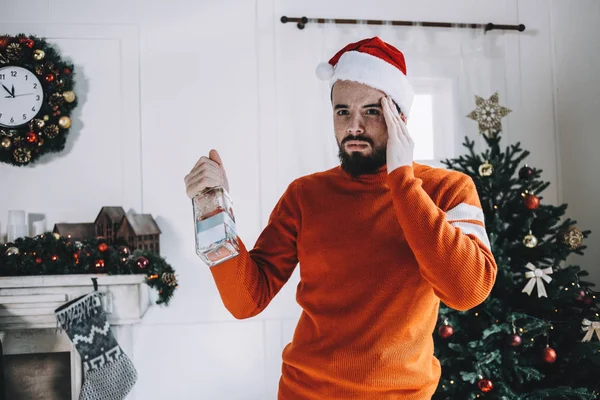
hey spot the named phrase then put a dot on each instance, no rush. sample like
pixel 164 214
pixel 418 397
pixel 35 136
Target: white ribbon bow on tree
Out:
pixel 535 276
pixel 590 327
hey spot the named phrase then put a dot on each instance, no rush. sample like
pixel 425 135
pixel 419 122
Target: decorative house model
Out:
pixel 139 231
pixel 78 231
pixel 107 223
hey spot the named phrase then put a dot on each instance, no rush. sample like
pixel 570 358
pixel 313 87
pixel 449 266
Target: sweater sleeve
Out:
pixel 451 246
pixel 248 282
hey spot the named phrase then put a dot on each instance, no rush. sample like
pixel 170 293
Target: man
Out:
pixel 380 241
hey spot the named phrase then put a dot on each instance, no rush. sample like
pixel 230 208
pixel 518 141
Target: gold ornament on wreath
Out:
pixel 64 122
pixel 69 96
pixel 38 55
pixel 31 66
pixel 573 238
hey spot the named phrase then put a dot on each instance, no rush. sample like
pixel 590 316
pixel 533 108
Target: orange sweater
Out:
pixel 377 253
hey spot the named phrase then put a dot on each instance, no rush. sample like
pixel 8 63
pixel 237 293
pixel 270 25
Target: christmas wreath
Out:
pixel 37 99
pixel 52 254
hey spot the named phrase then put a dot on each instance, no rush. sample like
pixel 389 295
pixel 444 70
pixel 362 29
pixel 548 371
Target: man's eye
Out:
pixel 342 112
pixel 373 111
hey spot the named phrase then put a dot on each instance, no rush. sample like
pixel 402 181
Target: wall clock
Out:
pixel 21 98
pixel 36 99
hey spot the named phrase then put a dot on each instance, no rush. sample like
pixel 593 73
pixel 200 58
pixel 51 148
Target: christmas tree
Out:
pixel 537 336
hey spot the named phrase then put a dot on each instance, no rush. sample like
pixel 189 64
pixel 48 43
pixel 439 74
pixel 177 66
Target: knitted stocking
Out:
pixel 108 373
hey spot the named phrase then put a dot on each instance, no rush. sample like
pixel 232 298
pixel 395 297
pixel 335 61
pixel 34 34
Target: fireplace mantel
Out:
pixel 28 324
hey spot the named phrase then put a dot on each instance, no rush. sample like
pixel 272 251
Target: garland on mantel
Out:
pixel 52 254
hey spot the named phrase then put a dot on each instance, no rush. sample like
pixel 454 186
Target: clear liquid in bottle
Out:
pixel 214 226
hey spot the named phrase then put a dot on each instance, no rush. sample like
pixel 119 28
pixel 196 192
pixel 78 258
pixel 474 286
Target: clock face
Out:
pixel 21 96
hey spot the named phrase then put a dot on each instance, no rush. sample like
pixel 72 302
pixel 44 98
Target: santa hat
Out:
pixel 374 63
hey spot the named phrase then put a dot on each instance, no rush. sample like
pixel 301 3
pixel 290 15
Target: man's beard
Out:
pixel 356 163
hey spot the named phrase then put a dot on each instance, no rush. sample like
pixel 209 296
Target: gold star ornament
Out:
pixel 488 115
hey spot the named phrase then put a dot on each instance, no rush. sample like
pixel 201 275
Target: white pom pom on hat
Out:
pixel 324 71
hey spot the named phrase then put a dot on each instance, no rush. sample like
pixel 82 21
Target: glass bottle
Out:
pixel 214 226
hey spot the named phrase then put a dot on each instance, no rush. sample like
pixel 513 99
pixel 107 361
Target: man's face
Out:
pixel 360 128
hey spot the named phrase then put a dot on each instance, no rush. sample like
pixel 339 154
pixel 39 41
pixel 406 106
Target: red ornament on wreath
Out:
pixel 102 247
pixel 3 41
pixel 531 201
pixel 549 355
pixel 67 71
pixel 38 260
pixel 32 137
pixel 49 78
pixel 485 385
pixel 142 262
pixel 27 42
pixel 445 331
pixel 100 264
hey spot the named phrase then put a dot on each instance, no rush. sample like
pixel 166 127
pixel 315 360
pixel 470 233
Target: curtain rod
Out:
pixel 301 23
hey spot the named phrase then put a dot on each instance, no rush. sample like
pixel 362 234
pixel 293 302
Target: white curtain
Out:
pixel 447 67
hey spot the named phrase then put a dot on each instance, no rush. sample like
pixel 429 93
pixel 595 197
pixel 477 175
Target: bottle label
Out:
pixel 212 229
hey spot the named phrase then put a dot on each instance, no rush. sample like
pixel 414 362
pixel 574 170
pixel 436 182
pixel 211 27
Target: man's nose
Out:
pixel 355 125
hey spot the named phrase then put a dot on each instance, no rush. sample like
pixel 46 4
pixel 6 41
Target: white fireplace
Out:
pixel 39 357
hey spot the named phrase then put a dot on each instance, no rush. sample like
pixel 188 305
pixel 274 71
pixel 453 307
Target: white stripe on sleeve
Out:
pixel 465 211
pixel 473 229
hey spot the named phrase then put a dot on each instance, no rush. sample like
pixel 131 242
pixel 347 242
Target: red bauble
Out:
pixel 3 41
pixel 142 262
pixel 445 331
pixel 38 260
pixel 54 257
pixel 549 355
pixel 100 264
pixel 27 42
pixel 485 385
pixel 581 295
pixel 515 340
pixel 49 78
pixel 102 247
pixel 32 137
pixel 67 71
pixel 531 202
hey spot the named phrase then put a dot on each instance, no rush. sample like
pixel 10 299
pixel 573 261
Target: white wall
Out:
pixel 163 82
pixel 577 102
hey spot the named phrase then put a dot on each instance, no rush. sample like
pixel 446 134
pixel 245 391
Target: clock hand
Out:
pixel 13 90
pixel 9 92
